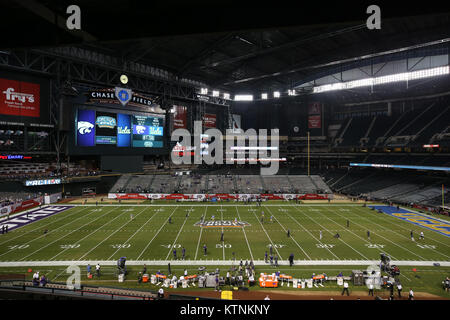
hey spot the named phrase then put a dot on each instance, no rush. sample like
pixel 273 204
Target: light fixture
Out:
pixel 124 79
pixel 291 92
pixel 215 93
pixel 405 76
pixel 276 94
pixel 264 96
pixel 243 97
pixel 204 91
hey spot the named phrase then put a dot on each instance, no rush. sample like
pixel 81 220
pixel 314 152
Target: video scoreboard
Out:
pixel 96 128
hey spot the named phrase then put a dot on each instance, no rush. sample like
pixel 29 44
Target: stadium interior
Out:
pixel 355 116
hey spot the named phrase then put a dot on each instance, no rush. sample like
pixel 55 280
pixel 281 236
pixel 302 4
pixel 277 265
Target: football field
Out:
pixel 149 234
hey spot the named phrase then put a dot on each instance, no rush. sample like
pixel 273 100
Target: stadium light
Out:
pixel 226 96
pixel 291 92
pixel 204 91
pixel 276 94
pixel 405 76
pixel 243 97
pixel 264 96
pixel 215 93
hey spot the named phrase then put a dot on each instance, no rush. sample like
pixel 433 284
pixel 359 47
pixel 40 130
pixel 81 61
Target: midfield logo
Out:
pixel 222 223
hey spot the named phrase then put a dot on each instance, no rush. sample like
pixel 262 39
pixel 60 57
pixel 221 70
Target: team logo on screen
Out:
pixel 156 131
pixel 84 127
pixel 106 122
pixel 123 95
pixel 123 130
pixel 140 129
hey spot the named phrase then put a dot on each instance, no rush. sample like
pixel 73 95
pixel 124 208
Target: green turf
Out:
pixel 108 232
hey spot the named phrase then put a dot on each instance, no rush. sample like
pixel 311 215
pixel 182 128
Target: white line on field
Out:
pixel 312 235
pixel 403 236
pixel 223 244
pixel 388 240
pixel 175 241
pixel 66 234
pixel 1 243
pixel 200 236
pixel 292 238
pixel 111 233
pixel 154 214
pixel 348 230
pixel 102 226
pixel 332 233
pixel 245 235
pixel 162 226
pixel 84 216
pixel 271 242
pixel 410 224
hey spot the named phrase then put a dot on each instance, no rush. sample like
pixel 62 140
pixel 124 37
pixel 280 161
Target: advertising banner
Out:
pixel 209 120
pixel 19 98
pixel 314 122
pixel 314 108
pixel 179 117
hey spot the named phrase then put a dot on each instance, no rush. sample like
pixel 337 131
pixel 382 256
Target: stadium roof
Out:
pixel 232 48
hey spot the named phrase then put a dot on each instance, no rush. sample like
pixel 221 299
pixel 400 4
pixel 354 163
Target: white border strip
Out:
pixel 220 262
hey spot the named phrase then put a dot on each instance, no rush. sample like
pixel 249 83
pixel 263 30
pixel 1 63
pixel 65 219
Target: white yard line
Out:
pixel 348 230
pixel 292 238
pixel 32 240
pixel 384 238
pixel 162 226
pixel 271 242
pixel 403 236
pixel 200 236
pixel 332 233
pixel 120 215
pixel 175 241
pixel 223 244
pixel 375 213
pixel 218 262
pixel 126 241
pixel 245 235
pixel 67 234
pixel 54 215
pixel 320 242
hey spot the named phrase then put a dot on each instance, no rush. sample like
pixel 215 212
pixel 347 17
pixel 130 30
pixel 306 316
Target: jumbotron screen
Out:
pixel 121 130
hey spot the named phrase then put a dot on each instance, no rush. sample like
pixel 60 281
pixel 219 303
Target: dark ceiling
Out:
pixel 229 47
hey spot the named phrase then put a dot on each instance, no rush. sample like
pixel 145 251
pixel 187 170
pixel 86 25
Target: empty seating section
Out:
pixel 277 184
pixel 121 183
pixel 190 184
pixel 356 131
pixel 249 184
pixel 419 196
pixel 379 128
pixel 164 184
pixel 303 183
pixel 321 185
pixel 438 125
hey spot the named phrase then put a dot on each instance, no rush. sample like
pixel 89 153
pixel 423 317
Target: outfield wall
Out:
pixel 221 196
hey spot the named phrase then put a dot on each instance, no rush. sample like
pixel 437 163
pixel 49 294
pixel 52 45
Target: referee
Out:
pixel 371 289
pixel 345 289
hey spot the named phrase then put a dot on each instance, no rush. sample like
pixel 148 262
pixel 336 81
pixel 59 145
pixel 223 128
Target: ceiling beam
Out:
pixel 204 53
